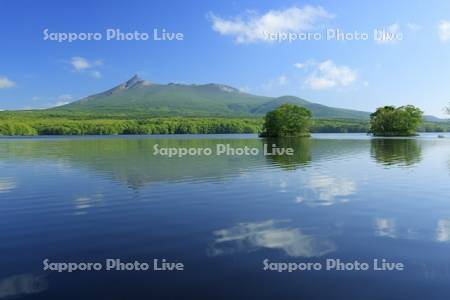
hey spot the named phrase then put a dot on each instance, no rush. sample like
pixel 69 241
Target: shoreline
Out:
pixel 359 135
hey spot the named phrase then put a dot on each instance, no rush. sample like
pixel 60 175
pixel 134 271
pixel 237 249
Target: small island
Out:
pixel 288 120
pixel 390 121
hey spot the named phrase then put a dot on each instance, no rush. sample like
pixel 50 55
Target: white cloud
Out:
pixel 328 75
pixel 391 34
pixel 254 27
pixel 413 26
pixel 444 31
pixel 306 64
pixel 81 64
pixel 6 83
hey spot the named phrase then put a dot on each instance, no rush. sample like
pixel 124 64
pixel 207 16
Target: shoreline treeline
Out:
pixel 23 124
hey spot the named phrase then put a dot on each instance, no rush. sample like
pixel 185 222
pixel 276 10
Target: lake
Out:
pixel 232 221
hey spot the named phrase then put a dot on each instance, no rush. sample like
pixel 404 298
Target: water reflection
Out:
pixel 82 204
pixel 443 230
pixel 7 184
pixel 405 152
pixel 185 205
pixel 131 160
pixel 385 228
pixel 325 190
pixel 271 235
pixel 301 147
pixel 22 285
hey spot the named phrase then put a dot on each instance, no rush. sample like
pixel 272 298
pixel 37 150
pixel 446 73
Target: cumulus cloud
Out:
pixel 444 31
pixel 254 27
pixel 328 75
pixel 81 64
pixel 6 83
pixel 392 34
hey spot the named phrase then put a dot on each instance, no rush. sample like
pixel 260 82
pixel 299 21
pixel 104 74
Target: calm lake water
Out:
pixel 347 197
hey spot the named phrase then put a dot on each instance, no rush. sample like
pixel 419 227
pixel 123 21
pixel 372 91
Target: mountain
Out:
pixel 318 110
pixel 143 97
pixel 435 119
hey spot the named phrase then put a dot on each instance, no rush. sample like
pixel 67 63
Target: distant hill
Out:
pixel 435 119
pixel 141 96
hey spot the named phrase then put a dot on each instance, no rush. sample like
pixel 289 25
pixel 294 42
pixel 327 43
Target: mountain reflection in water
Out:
pixel 344 196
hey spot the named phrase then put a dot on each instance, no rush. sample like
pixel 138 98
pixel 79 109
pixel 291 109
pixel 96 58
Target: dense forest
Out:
pixel 44 123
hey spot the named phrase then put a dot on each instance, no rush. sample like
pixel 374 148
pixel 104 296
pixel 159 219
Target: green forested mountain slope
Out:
pixel 140 96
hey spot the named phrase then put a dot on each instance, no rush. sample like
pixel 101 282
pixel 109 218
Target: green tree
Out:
pixel 9 128
pixel 395 121
pixel 288 120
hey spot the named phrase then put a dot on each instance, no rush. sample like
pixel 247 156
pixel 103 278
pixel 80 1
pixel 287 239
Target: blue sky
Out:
pixel 226 42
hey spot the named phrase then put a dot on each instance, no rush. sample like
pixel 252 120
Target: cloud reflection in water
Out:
pixel 326 190
pixel 7 184
pixel 21 285
pixel 268 234
pixel 443 230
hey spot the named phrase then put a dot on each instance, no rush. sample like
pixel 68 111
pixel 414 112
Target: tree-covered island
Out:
pixel 395 121
pixel 288 120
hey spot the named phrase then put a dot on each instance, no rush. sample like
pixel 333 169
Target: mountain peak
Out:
pixel 132 81
pixel 223 87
